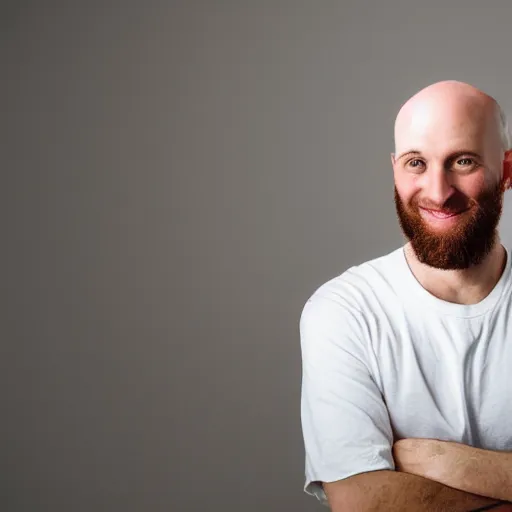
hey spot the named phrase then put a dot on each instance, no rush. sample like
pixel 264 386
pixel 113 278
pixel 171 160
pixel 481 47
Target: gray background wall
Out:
pixel 178 177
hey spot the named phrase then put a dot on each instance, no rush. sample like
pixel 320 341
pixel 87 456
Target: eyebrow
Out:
pixel 452 155
pixel 412 152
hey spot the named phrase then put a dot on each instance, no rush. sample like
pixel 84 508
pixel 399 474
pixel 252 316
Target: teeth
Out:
pixel 442 215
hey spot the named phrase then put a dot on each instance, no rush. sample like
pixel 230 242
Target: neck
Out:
pixel 467 286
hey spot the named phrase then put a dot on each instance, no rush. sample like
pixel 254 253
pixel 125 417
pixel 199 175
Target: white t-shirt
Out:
pixel 383 360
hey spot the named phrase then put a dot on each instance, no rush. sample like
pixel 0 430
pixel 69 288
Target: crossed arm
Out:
pixel 473 470
pixel 431 475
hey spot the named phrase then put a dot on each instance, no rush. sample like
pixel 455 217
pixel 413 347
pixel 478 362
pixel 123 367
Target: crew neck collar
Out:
pixel 450 308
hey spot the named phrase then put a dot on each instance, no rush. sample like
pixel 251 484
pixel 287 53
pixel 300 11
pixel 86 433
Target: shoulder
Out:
pixel 355 289
pixel 343 311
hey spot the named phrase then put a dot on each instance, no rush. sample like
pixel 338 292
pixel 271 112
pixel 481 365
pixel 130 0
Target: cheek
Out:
pixel 406 189
pixel 473 186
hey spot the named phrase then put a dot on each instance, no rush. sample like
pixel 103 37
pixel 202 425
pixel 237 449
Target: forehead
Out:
pixel 435 130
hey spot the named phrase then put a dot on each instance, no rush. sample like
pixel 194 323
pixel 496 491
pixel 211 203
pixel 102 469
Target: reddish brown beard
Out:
pixel 465 245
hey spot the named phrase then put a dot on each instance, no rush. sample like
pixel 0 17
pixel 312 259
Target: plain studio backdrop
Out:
pixel 178 178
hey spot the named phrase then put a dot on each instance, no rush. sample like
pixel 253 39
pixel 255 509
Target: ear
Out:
pixel 393 159
pixel 507 170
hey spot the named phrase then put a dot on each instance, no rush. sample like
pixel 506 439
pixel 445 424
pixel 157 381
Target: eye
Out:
pixel 465 164
pixel 415 165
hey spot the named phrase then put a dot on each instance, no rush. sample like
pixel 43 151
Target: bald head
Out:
pixel 450 110
pixel 451 169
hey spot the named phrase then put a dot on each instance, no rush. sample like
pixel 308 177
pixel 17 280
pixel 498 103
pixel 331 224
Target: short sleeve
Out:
pixel 345 422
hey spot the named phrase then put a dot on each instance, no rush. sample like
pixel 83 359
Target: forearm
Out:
pixel 469 469
pixel 479 471
pixel 391 490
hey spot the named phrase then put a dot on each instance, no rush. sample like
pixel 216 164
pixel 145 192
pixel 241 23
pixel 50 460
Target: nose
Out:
pixel 437 185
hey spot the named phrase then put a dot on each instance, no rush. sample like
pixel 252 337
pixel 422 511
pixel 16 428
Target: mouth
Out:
pixel 440 217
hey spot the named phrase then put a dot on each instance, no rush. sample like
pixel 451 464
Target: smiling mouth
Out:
pixel 440 214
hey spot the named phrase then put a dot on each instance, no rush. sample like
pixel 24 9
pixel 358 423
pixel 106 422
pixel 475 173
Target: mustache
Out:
pixel 458 202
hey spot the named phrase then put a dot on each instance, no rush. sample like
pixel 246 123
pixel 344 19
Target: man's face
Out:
pixel 448 192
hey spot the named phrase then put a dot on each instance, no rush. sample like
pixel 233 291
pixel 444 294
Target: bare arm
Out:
pixel 462 467
pixel 391 490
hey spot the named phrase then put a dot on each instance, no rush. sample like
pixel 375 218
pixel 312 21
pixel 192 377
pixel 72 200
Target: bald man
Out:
pixel 407 359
